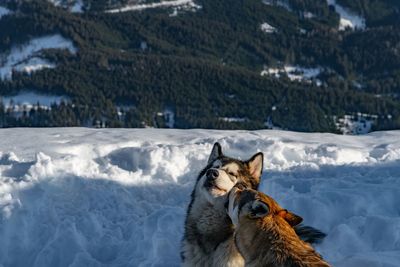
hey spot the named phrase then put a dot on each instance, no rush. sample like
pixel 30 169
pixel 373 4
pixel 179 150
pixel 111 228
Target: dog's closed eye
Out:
pixel 259 209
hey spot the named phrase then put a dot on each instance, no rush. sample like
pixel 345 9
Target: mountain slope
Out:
pixel 204 64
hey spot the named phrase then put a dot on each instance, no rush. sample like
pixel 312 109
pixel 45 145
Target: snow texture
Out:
pixel 176 4
pixel 347 18
pixel 27 57
pixel 118 197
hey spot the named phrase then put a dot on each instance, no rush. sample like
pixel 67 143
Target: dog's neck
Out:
pixel 211 221
pixel 275 244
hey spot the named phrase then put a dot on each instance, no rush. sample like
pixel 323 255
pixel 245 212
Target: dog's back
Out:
pixel 264 232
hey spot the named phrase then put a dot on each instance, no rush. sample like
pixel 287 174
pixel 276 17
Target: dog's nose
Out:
pixel 212 174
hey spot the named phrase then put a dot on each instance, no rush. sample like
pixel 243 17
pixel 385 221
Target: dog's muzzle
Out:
pixel 212 174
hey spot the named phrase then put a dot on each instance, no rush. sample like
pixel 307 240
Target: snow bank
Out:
pixel 176 4
pixel 27 57
pixel 86 197
pixel 347 18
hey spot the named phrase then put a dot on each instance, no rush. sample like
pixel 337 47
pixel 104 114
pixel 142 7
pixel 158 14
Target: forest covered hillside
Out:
pixel 245 64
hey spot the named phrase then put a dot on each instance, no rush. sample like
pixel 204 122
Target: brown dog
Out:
pixel 264 232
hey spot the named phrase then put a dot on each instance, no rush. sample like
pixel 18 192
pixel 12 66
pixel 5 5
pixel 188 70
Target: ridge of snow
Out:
pixel 118 197
pixel 174 3
pixel 26 57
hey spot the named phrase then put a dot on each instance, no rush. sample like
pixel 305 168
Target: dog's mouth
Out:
pixel 209 185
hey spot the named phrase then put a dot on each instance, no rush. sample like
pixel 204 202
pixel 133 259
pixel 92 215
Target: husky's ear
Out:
pixel 259 209
pixel 255 165
pixel 216 152
pixel 290 217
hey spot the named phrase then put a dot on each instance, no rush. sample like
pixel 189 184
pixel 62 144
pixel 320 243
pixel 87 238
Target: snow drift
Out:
pixel 85 197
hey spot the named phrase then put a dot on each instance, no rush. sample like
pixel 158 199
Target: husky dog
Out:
pixel 264 232
pixel 208 238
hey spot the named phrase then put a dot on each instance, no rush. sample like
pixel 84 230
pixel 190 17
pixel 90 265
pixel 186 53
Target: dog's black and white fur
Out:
pixel 208 238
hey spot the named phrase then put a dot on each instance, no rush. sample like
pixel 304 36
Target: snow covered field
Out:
pixel 86 197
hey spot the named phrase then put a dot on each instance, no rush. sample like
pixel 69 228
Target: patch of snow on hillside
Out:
pixel 265 27
pixel 27 57
pixel 281 3
pixel 295 73
pixel 118 197
pixel 4 11
pixel 233 119
pixel 356 124
pixel 30 99
pixel 73 6
pixel 33 64
pixel 176 4
pixel 77 7
pixel 347 18
pixel 308 15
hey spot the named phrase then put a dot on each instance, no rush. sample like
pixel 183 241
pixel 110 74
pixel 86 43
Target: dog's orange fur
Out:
pixel 269 239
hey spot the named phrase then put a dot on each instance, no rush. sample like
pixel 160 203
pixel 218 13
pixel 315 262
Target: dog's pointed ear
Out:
pixel 255 165
pixel 216 152
pixel 290 217
pixel 259 209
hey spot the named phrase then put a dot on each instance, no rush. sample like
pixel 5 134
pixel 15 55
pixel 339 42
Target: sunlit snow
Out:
pixel 281 3
pixel 265 27
pixel 86 197
pixel 75 6
pixel 347 18
pixel 27 57
pixel 294 73
pixel 176 4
